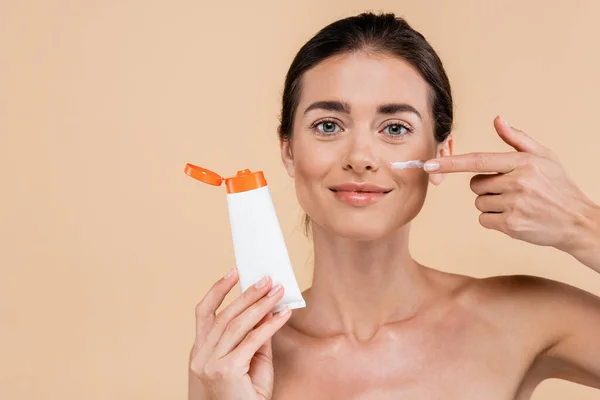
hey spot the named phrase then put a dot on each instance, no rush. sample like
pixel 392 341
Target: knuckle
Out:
pixel 478 203
pixel 517 188
pixel 197 368
pixel 483 220
pixel 251 337
pixel 221 319
pixel 530 165
pixel 195 352
pixel 258 308
pixel 206 371
pixel 475 183
pixel 210 372
pixel 536 168
pixel 254 336
pixel 203 307
pixel 520 184
pixel 480 162
pixel 512 222
pixel 518 203
pixel 202 310
pixel 216 371
pixel 234 326
pixel 451 165
pixel 199 309
pixel 524 159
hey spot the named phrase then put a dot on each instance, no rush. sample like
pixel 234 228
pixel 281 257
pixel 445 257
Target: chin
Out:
pixel 362 227
pixel 377 219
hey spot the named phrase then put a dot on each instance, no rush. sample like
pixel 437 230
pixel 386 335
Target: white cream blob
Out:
pixel 407 164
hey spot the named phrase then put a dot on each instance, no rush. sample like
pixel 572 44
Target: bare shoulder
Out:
pixel 559 323
pixel 527 299
pixel 529 293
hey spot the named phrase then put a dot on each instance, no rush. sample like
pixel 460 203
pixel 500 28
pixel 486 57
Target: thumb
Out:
pixel 261 366
pixel 261 370
pixel 517 139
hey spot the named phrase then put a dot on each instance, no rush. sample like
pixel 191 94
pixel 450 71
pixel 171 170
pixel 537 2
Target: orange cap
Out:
pixel 203 175
pixel 243 181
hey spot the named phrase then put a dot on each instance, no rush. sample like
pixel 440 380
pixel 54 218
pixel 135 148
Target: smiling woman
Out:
pixel 364 92
pixel 385 115
pixel 414 56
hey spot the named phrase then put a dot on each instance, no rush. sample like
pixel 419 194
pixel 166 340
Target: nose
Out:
pixel 361 155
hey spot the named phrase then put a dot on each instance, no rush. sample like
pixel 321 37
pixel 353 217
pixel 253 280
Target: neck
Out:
pixel 359 286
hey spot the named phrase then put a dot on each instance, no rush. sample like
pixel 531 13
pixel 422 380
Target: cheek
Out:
pixel 412 184
pixel 308 183
pixel 312 163
pixel 416 148
pixel 313 160
pixel 410 195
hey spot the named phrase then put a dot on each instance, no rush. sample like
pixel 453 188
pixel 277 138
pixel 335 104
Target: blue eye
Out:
pixel 396 130
pixel 328 127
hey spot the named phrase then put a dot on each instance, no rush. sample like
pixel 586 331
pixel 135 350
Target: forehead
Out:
pixel 365 80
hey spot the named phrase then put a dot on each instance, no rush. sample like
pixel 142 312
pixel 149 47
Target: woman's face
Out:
pixel 357 113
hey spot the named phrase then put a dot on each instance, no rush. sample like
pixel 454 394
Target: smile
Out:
pixel 359 194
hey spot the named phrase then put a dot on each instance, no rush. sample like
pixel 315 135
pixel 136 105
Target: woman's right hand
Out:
pixel 232 355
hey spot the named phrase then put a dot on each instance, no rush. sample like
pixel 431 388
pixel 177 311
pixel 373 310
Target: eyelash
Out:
pixel 314 126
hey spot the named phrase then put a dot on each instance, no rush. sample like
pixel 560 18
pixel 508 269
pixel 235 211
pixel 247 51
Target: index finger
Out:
pixel 474 162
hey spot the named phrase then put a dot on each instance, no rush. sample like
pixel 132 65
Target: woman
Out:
pixel 365 91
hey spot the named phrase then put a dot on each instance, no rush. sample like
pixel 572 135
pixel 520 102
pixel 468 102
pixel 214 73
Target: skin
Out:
pixel 379 325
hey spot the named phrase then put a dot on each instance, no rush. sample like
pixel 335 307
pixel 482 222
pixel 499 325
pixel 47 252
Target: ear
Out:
pixel 286 156
pixel 444 149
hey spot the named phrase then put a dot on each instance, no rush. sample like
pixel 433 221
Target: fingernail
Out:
pixel 284 311
pixel 261 283
pixel 431 166
pixel 504 122
pixel 274 290
pixel 229 274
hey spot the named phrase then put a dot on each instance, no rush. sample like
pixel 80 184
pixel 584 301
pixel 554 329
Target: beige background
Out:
pixel 104 242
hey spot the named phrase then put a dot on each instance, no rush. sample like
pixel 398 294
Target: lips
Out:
pixel 359 194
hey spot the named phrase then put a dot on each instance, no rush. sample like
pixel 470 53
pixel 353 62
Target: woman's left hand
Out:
pixel 527 194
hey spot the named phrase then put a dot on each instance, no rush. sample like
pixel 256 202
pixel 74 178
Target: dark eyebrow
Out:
pixel 394 108
pixel 391 108
pixel 329 106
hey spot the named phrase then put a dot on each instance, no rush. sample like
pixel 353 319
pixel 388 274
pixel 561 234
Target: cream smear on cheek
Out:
pixel 407 164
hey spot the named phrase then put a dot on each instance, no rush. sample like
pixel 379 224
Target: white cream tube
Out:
pixel 259 246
